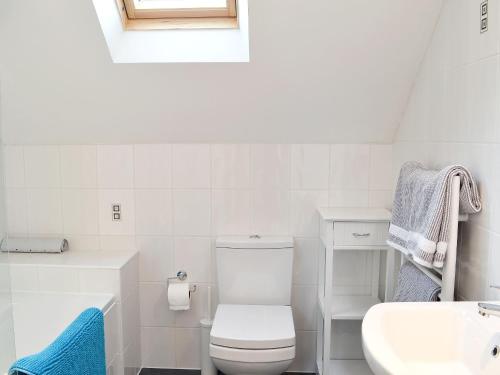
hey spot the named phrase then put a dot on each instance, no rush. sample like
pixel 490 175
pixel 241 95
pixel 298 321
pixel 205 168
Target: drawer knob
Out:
pixel 359 235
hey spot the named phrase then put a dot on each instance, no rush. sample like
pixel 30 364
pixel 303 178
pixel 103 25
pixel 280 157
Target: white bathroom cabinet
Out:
pixel 353 276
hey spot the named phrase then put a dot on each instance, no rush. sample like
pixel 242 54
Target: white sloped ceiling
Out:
pixel 320 71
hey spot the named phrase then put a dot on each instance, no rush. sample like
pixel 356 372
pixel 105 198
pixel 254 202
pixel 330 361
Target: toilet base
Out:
pixel 251 368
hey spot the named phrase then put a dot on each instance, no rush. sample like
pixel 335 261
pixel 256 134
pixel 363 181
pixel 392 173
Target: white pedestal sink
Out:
pixel 431 338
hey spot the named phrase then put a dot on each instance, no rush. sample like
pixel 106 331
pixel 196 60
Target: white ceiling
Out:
pixel 321 71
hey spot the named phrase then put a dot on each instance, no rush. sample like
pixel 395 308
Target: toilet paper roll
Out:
pixel 179 296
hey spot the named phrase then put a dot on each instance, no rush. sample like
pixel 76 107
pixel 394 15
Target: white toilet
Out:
pixel 253 330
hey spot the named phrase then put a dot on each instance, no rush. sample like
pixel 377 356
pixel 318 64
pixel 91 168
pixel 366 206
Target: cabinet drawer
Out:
pixel 359 234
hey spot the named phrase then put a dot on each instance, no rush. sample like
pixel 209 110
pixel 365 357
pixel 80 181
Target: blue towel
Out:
pixel 79 350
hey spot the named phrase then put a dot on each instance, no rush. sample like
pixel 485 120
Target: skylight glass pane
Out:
pixel 180 4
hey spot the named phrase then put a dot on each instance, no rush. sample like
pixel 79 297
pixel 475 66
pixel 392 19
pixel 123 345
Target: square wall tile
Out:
pixel 80 211
pixel 230 166
pixel 116 366
pixel 193 255
pixel 381 167
pixel 78 166
pixel 186 339
pixel 482 95
pixel 156 258
pixel 42 166
pixel 24 278
pixel 155 311
pixel 158 347
pixel 197 311
pixel 44 211
pixel 153 166
pixel 493 294
pixel 17 211
pixel 304 211
pixel 132 357
pixel 129 278
pixel 192 212
pixel 473 275
pixel 14 166
pixel 381 198
pixel 130 317
pixel 305 261
pixel 304 307
pixel 231 212
pixel 111 333
pixel 310 166
pixel 270 166
pixel 191 166
pixel 154 212
pixel 118 242
pixel 271 212
pixel 126 225
pixel 348 198
pixel 305 358
pixel 83 242
pixel 58 279
pixel 94 280
pixel 350 166
pixel 115 166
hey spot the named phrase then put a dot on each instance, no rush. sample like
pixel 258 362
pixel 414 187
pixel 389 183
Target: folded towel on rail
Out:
pixel 421 210
pixel 415 286
pixel 79 350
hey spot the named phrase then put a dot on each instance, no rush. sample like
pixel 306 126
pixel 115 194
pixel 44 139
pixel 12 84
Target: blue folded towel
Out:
pixel 79 350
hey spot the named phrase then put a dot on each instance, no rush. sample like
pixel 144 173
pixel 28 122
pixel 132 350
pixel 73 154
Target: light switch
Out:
pixel 116 211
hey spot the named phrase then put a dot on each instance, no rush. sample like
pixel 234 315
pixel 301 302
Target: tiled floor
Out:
pixel 154 371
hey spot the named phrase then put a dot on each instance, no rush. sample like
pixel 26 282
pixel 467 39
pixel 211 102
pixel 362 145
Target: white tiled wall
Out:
pixel 176 199
pixel 7 342
pixel 453 116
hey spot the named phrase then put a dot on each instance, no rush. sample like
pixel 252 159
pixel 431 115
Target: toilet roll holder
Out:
pixel 181 276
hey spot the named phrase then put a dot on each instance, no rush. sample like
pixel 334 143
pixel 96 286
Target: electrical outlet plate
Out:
pixel 116 211
pixel 484 17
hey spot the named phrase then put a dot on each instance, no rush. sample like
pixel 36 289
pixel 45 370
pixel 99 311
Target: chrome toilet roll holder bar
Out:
pixel 179 277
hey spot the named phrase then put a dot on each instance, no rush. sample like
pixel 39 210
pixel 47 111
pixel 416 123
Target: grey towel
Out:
pixel 421 211
pixel 415 286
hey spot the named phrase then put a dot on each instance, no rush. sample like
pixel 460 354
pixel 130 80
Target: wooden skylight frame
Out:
pixel 136 16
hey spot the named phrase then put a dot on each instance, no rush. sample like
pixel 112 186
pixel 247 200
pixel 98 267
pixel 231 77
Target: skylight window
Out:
pixel 193 39
pixel 179 13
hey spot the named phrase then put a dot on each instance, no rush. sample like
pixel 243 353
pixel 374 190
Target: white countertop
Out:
pixel 354 214
pixel 80 259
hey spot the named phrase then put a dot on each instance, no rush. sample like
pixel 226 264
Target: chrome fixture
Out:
pixel 488 309
pixel 182 276
pixel 495 351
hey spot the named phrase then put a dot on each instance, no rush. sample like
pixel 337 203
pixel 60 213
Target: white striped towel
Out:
pixel 421 210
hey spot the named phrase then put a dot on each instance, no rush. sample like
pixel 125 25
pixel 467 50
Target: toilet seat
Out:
pixel 252 355
pixel 253 327
pixel 253 334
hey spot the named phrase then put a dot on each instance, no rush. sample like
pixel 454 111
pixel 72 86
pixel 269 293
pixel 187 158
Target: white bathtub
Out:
pixel 40 317
pixel 50 290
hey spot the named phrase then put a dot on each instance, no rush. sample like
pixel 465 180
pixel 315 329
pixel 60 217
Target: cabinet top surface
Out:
pixel 354 214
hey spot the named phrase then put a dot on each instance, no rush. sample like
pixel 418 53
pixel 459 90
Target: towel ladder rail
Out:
pixel 445 277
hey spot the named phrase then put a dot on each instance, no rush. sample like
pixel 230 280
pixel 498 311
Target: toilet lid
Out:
pixel 253 327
